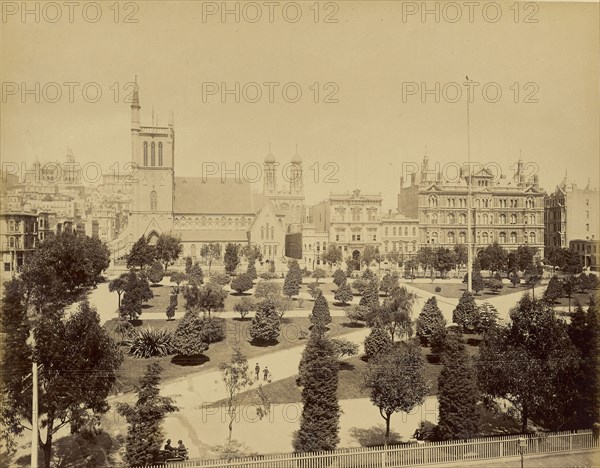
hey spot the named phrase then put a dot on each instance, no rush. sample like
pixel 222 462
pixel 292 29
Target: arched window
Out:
pixel 434 218
pixel 513 237
pixel 502 219
pixel 262 233
pixel 502 238
pixel 485 219
pixel 529 203
pixel 386 230
pixel 145 153
pixel 153 200
pixel 193 251
pixel 153 154
pixel 433 201
pixel 451 218
pixel 462 219
pixel 462 237
pixel 485 238
pixel 11 242
pixel 531 219
pixel 513 219
pixel 160 154
pixel 532 237
pixel 434 238
pixel 451 239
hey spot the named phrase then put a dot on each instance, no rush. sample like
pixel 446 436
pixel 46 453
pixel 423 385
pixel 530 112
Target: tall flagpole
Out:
pixel 469 233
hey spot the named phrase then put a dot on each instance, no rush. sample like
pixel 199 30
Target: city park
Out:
pixel 237 361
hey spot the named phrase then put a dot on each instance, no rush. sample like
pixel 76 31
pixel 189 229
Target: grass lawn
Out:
pixel 236 331
pixel 455 290
pixel 583 298
pixel 350 381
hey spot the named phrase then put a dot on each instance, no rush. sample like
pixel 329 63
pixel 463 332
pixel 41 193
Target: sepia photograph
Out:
pixel 299 234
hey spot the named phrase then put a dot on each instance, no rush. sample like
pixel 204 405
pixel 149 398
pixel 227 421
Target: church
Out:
pixel 206 210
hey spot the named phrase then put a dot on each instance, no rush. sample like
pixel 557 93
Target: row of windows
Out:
pixel 355 214
pixel 433 201
pixel 222 222
pixel 153 154
pixel 268 250
pixel 398 231
pixel 268 230
pixel 400 246
pixel 482 238
pixel 451 218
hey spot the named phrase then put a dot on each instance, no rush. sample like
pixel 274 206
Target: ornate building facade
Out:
pixel 507 211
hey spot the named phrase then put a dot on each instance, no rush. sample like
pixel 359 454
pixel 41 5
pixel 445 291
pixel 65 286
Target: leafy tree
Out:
pixel 173 299
pixel 118 285
pixel 377 342
pixel 251 253
pixel 188 264
pixel 370 296
pixel 177 277
pixel 318 274
pixel 210 252
pixel 357 314
pixel 137 291
pixel 293 279
pixel 207 298
pixel 493 284
pixel 195 275
pixel 574 265
pixel 344 347
pixel 569 285
pixel 425 256
pixel 524 256
pixel 244 306
pixel 360 284
pixel 167 249
pixel 267 290
pixel 530 363
pixel 145 418
pixel 242 283
pixel 493 258
pixel 477 282
pixel 395 312
pixel 339 277
pixel 231 257
pixel 389 282
pixel 266 323
pixel 320 316
pixel 343 294
pixel 396 381
pixel 461 255
pixel 141 255
pixel 554 290
pixel 156 273
pixel 68 351
pixel 556 256
pixel 221 279
pixel 532 277
pixel 332 256
pixel 237 378
pixel 395 257
pixel 251 270
pixel 371 254
pixel 466 313
pixel 124 329
pixel 314 290
pixel 457 396
pixel 514 278
pixel 488 318
pixel 444 260
pixel 318 376
pixel 430 319
pixel 188 337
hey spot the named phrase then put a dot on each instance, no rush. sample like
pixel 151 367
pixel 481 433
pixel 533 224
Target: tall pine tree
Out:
pixel 320 316
pixel 466 313
pixel 430 320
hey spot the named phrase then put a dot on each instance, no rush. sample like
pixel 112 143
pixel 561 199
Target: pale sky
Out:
pixel 370 54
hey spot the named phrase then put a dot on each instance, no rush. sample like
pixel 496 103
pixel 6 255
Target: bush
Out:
pixel 213 330
pixel 430 320
pixel 266 324
pixel 151 342
pixel 494 285
pixel 357 314
pixel 438 289
pixel 156 273
pixel 242 283
pixel 314 290
pixel 377 342
pixel 268 276
pixel 343 294
pixel 188 337
pixel 466 313
pixel 221 279
pixel 339 277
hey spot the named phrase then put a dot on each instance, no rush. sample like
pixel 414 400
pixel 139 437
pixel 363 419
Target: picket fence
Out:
pixel 422 453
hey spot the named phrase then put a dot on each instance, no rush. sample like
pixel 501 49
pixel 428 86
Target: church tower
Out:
pixel 270 181
pixel 153 173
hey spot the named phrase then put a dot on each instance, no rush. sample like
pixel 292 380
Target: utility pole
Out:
pixel 34 414
pixel 469 233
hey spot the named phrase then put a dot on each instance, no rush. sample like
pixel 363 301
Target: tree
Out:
pixel 343 294
pixel 207 298
pixel 477 282
pixel 514 278
pixel 237 378
pixel 266 323
pixel 251 270
pixel 318 377
pixel 195 275
pixel 461 253
pixel 68 351
pixel 242 283
pixel 554 290
pixel 371 254
pixel 314 290
pixel 395 258
pixel 156 273
pixel 444 260
pixel 172 304
pixel 189 334
pixel 493 258
pixel 569 285
pixel 430 319
pixel 357 313
pixel 267 290
pixel 533 277
pixel 377 342
pixel 457 395
pixel 318 274
pixel 231 257
pixel 124 329
pixel 389 282
pixel 556 256
pixel 524 256
pixel 141 255
pixel 251 253
pixel 425 256
pixel 177 277
pixel 488 318
pixel 396 381
pixel 493 284
pixel 293 279
pixel 244 306
pixel 188 264
pixel 332 256
pixel 145 418
pixel 118 285
pixel 466 313
pixel 210 252
pixel 137 291
pixel 530 363
pixel 320 316
pixel 395 313
pixel 167 249
pixel 370 296
pixel 344 347
pixel 339 277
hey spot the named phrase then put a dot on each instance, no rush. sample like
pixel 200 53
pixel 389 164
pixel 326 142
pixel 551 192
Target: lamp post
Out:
pixel 522 447
pixel 469 233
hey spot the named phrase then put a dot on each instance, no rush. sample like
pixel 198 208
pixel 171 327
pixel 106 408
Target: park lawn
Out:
pixel 456 290
pixel 237 331
pixel 583 298
pixel 350 384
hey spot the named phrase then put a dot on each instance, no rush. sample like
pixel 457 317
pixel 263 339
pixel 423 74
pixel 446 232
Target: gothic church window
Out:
pixel 160 154
pixel 153 200
pixel 145 153
pixel 153 154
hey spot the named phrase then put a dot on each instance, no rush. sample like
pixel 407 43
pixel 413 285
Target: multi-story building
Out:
pixel 399 234
pixel 588 252
pixel 571 213
pixel 351 220
pixel 20 235
pixel 507 211
pixel 314 243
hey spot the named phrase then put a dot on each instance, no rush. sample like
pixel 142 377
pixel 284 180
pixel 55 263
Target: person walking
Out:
pixel 257 370
pixel 265 373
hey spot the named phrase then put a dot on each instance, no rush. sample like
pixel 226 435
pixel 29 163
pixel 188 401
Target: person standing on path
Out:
pixel 265 373
pixel 257 370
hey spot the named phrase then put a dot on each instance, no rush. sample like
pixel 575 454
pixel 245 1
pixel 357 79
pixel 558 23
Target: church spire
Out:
pixel 135 108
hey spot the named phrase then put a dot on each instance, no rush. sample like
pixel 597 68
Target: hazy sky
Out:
pixel 371 55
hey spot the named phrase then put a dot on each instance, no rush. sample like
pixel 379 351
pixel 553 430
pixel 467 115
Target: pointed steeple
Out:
pixel 135 100
pixel 269 158
pixel 296 159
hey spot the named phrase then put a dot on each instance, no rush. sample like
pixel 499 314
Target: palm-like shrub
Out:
pixel 152 342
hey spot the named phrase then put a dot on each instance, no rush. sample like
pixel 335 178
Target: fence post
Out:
pixel 383 457
pixel 501 452
pixel 571 442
